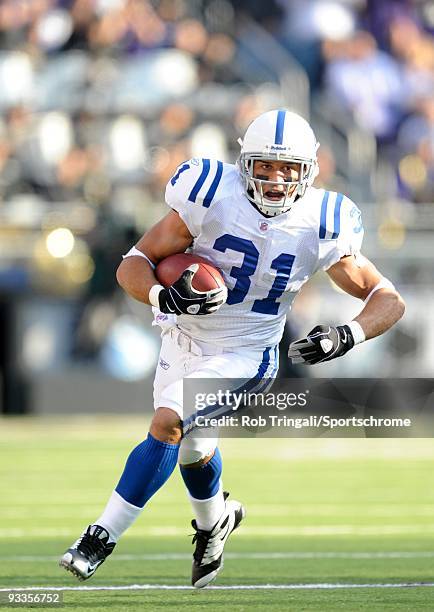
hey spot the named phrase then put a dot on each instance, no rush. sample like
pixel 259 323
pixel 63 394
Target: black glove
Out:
pixel 182 298
pixel 322 344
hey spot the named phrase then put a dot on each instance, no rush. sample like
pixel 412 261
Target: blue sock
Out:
pixel 147 468
pixel 203 482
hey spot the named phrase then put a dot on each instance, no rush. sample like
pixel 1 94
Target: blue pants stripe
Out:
pixel 255 384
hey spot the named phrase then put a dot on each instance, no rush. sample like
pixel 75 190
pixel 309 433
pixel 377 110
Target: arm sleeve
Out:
pixel 341 231
pixel 191 190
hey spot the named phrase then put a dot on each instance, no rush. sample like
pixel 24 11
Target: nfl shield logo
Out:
pixel 263 226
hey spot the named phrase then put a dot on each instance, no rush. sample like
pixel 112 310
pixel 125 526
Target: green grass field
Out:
pixel 320 512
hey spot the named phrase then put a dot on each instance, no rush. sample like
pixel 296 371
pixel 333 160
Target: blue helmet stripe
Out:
pixel 280 124
pixel 211 191
pixel 200 181
pixel 337 216
pixel 323 219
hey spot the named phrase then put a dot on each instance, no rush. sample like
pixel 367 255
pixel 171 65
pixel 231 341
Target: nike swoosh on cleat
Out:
pixel 92 568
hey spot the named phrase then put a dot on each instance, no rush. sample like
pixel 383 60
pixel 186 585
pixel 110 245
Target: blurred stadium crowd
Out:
pixel 100 100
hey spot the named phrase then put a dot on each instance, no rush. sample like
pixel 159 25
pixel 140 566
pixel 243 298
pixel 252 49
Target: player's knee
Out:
pixel 191 458
pixel 166 426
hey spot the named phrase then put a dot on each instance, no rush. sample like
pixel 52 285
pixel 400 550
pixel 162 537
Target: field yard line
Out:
pixel 300 530
pixel 248 555
pixel 237 587
pixel 26 510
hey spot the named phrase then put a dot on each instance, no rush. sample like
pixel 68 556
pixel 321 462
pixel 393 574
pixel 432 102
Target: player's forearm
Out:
pixel 136 278
pixel 383 310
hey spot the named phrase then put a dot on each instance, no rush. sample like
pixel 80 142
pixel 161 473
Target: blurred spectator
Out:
pixel 416 143
pixel 379 14
pixel 365 82
pixel 307 24
pixel 83 69
pixel 414 48
pixel 130 26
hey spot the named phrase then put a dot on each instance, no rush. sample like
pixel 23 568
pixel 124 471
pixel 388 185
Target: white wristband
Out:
pixel 134 252
pixel 154 292
pixel 357 331
pixel 383 284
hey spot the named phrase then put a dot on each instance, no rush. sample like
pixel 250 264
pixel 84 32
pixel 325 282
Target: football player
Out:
pixel 268 230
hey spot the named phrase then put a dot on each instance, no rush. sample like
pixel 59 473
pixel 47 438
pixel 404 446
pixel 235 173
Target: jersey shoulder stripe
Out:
pixel 330 216
pixel 213 188
pixel 323 218
pixel 197 186
pixel 197 180
pixel 200 181
pixel 337 216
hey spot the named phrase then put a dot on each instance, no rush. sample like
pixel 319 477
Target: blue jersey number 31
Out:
pixel 282 264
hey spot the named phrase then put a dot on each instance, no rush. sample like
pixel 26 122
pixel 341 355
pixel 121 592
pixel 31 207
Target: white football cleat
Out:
pixel 208 555
pixel 88 552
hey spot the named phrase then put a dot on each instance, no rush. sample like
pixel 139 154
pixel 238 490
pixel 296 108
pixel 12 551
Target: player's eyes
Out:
pixel 286 169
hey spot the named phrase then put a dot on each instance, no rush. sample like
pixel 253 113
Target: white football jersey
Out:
pixel 264 261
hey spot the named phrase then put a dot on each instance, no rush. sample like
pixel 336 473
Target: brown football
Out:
pixel 206 278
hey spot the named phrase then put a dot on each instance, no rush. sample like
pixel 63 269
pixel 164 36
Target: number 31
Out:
pixel 282 264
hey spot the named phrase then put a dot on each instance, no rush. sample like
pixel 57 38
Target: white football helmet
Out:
pixel 284 136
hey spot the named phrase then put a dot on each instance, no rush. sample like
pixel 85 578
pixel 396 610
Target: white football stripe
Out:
pixel 248 531
pixel 85 511
pixel 237 587
pixel 249 555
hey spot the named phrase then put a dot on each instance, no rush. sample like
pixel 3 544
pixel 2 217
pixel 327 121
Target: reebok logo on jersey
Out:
pixel 263 226
pixel 164 364
pixel 326 345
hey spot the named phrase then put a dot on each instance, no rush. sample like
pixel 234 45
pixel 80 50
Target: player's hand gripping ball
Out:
pixel 192 285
